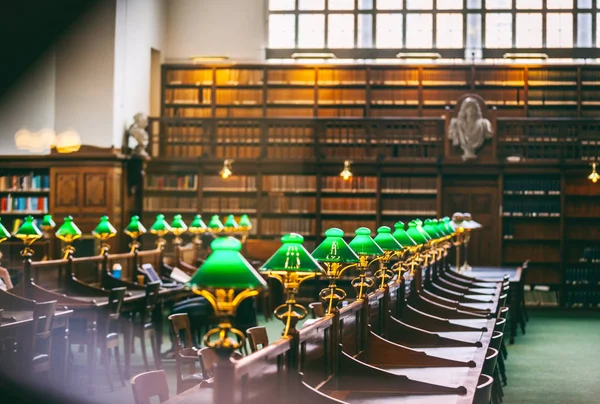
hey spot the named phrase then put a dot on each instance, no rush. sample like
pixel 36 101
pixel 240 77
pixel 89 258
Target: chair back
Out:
pixel 503 312
pixel 500 324
pixel 180 323
pixel 148 385
pixel 42 321
pixel 208 358
pixel 489 365
pixel 483 393
pixel 185 352
pixel 496 340
pixel 257 336
pixel 150 301
pixel 316 309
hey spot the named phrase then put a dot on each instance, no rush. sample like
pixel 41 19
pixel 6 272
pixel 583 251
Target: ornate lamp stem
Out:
pixel 332 295
pixel 290 312
pixel 384 274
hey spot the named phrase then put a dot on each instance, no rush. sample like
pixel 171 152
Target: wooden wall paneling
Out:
pixel 562 236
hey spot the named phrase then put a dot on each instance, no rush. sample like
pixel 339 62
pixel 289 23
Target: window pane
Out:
pixel 389 31
pixel 341 4
pixel 474 31
pixel 498 4
pixel 311 4
pixel 282 30
pixel 340 31
pixel 584 30
pixel 529 30
pixel 498 30
pixel 472 4
pixel 282 4
pixel 529 4
pixel 584 3
pixel 449 30
pixel 365 31
pixel 419 4
pixel 558 4
pixel 559 30
pixel 365 4
pixel 389 4
pixel 419 31
pixel 311 31
pixel 449 4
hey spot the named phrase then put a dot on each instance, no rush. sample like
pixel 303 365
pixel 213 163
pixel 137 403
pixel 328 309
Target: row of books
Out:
pixel 349 226
pixel 409 185
pixel 170 204
pixel 356 184
pixel 524 231
pixel 200 76
pixel 582 276
pixel 31 204
pixel 582 208
pixel 178 112
pixel 355 206
pixel 29 182
pixel 583 299
pixel 239 152
pixel 591 254
pixel 535 208
pixel 551 76
pixel 558 97
pixel 276 183
pixel 389 205
pixel 548 253
pixel 291 204
pixel 234 183
pixel 233 77
pixel 290 152
pixel 172 182
pixel 515 77
pixel 188 96
pixel 229 204
pixel 239 97
pixel 182 150
pixel 278 226
pixel 532 186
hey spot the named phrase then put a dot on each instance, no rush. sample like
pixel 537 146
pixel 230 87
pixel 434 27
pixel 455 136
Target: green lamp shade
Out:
pixel 104 230
pixel 415 234
pixel 447 226
pixel 430 229
pixel 47 222
pixel 230 223
pixel 226 268
pixel 160 226
pixel 363 243
pixel 197 226
pixel 4 234
pixel 401 236
pixel 292 257
pixel 69 231
pixel 135 228
pixel 245 223
pixel 178 225
pixel 439 226
pixel 385 240
pixel 215 224
pixel 334 248
pixel 28 230
pixel 419 226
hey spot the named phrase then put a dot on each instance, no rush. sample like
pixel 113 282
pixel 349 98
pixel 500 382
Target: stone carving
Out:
pixel 138 132
pixel 469 129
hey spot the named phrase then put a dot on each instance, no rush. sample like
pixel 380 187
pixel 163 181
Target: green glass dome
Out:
pixel 334 248
pixel 160 227
pixel 104 230
pixel 215 224
pixel 415 234
pixel 197 226
pixel 292 257
pixel 363 243
pixel 4 234
pixel 385 240
pixel 401 236
pixel 69 231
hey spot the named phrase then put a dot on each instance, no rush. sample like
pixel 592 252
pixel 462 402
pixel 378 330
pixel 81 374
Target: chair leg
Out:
pixel 503 350
pixel 143 347
pixel 502 370
pixel 106 364
pixel 155 352
pixel 118 361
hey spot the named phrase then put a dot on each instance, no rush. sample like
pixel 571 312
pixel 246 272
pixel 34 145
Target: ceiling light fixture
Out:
pixel 525 55
pixel 313 55
pixel 419 55
pixel 594 176
pixel 346 174
pixel 226 170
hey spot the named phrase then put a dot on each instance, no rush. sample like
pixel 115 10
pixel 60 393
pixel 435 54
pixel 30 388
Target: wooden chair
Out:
pixel 257 336
pixel 316 309
pixel 108 330
pixel 144 328
pixel 39 350
pixel 208 358
pixel 185 353
pixel 484 390
pixel 148 385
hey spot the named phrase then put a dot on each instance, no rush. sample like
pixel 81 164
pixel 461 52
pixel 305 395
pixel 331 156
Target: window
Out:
pixel 529 30
pixel 419 31
pixel 449 31
pixel 560 30
pixel 498 30
pixel 389 31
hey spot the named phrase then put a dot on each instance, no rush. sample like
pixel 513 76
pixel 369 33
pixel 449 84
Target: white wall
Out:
pixel 235 28
pixel 29 104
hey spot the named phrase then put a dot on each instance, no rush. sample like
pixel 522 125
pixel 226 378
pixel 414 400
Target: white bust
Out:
pixel 469 129
pixel 138 132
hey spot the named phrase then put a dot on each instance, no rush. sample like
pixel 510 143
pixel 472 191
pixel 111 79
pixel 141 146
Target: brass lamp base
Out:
pixel 68 251
pixel 332 296
pixel 362 283
pixel 290 312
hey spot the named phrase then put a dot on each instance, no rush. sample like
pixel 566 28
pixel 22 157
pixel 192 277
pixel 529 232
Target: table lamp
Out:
pixel 391 247
pixel 245 225
pixel 47 225
pixel 333 252
pixel 405 240
pixel 4 235
pixel 230 225
pixel 224 272
pixel 68 233
pixel 160 228
pixel 28 233
pixel 459 230
pixel 291 265
pixel 436 237
pixel 104 231
pixel 215 225
pixel 197 227
pixel 135 229
pixel 178 227
pixel 365 247
pixel 468 224
pixel 416 258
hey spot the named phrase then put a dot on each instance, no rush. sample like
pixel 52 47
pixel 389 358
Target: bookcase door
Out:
pixel 480 198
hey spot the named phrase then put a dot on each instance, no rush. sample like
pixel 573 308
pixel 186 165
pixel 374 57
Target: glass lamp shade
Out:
pixel 363 243
pixel 245 224
pixel 385 240
pixel 230 224
pixel 47 223
pixel 226 268
pixel 334 248
pixel 135 228
pixel 439 226
pixel 160 227
pixel 68 232
pixel 178 226
pixel 419 225
pixel 469 223
pixel 292 257
pixel 457 219
pixel 447 226
pixel 215 224
pixel 4 234
pixel 28 232
pixel 401 236
pixel 104 230
pixel 415 234
pixel 197 226
pixel 430 229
